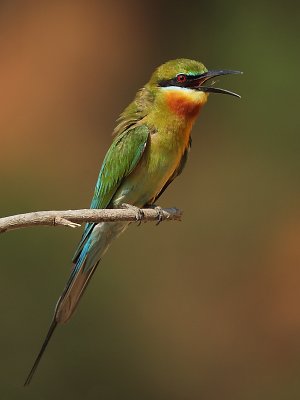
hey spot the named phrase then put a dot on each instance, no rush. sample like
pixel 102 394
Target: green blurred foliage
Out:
pixel 207 308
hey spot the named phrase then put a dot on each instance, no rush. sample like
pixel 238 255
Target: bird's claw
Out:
pixel 139 215
pixel 160 214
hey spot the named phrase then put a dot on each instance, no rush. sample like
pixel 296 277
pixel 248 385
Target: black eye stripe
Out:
pixel 174 82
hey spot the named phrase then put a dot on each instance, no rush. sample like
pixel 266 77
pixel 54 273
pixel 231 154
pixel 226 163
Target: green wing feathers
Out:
pixel 122 157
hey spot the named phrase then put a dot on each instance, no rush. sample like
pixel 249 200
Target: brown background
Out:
pixel 203 309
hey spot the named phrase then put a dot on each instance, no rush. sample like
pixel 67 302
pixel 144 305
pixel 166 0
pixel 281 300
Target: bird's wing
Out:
pixel 122 157
pixel 177 171
pixel 120 160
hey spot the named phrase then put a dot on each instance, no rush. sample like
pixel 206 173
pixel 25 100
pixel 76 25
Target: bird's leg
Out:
pixel 139 215
pixel 160 213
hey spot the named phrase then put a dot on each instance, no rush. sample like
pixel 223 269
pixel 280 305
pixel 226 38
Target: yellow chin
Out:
pixel 198 97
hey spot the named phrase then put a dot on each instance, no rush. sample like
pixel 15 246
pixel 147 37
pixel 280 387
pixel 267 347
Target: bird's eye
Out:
pixel 181 78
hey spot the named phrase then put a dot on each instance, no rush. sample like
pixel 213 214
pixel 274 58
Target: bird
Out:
pixel 150 147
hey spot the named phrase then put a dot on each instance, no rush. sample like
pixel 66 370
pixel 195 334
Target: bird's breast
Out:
pixel 161 158
pixel 170 120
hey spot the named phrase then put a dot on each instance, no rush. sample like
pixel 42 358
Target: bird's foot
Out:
pixel 139 215
pixel 160 213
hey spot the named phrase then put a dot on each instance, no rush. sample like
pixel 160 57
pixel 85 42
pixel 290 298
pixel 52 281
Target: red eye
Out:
pixel 181 78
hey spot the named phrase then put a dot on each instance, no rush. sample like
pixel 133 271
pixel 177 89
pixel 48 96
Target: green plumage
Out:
pixel 149 150
pixel 120 160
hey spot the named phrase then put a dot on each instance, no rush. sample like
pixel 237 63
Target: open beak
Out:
pixel 203 78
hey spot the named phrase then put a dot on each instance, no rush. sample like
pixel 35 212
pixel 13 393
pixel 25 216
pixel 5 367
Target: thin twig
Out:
pixel 73 218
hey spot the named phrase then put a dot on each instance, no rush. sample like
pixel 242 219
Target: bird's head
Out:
pixel 182 84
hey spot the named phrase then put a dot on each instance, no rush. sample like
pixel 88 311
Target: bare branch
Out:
pixel 73 218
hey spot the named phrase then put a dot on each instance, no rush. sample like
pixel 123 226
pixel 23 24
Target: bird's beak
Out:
pixel 200 80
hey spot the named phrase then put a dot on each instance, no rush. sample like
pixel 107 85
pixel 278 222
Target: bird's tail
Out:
pixel 86 261
pixel 41 352
pixel 72 294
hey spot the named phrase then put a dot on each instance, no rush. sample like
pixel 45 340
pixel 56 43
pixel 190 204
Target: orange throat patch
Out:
pixel 185 103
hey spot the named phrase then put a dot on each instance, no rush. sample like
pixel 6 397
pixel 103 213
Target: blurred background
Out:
pixel 207 308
